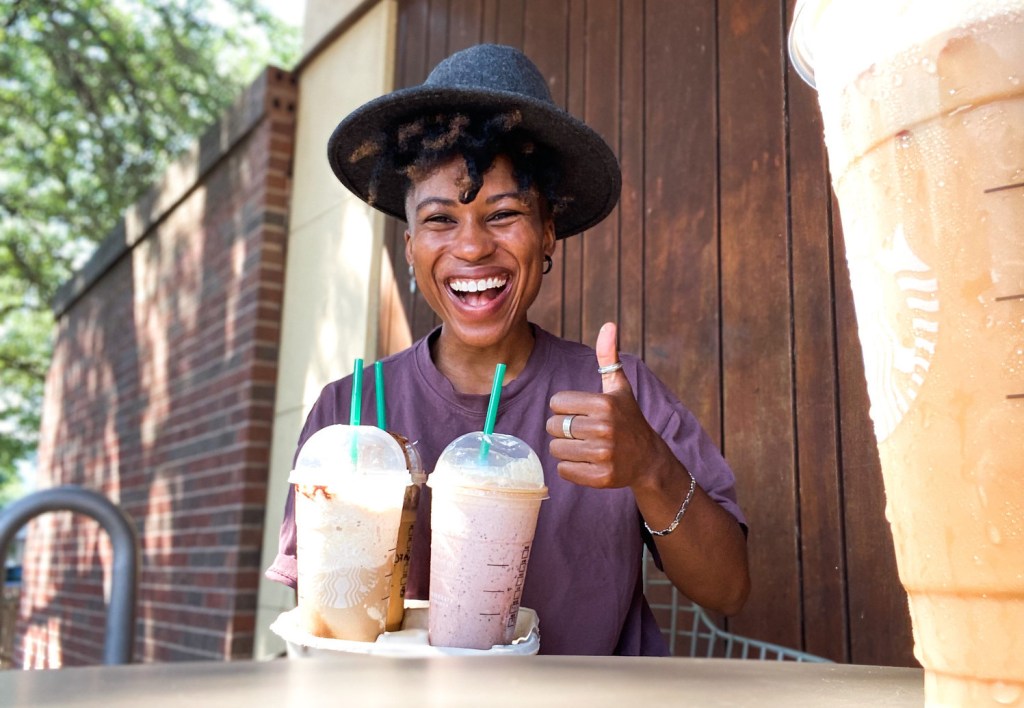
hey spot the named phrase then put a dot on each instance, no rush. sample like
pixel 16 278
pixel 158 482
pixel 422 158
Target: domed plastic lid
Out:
pixel 349 452
pixel 495 460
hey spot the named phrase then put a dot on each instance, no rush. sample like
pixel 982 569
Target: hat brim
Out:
pixel 589 169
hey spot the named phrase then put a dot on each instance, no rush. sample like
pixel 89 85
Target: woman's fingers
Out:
pixel 585 474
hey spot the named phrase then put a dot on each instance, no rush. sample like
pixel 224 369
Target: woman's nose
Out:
pixel 473 241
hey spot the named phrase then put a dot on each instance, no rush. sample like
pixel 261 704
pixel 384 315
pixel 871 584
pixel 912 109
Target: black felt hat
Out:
pixel 485 77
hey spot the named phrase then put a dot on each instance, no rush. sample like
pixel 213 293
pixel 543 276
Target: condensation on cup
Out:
pixel 923 109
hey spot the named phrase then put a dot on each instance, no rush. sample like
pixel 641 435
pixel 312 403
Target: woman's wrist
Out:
pixel 662 476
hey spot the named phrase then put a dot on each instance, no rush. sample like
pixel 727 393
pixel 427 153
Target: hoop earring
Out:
pixel 412 280
pixel 548 263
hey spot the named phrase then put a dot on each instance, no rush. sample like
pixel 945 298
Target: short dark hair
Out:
pixel 418 147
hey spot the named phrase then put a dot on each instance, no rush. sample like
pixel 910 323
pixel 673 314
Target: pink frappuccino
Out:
pixel 483 516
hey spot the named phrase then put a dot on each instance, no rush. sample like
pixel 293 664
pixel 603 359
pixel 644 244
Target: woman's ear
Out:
pixel 549 237
pixel 408 247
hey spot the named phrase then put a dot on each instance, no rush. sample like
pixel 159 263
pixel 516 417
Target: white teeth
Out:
pixel 464 285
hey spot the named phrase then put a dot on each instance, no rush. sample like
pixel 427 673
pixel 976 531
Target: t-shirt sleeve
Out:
pixel 692 446
pixel 284 569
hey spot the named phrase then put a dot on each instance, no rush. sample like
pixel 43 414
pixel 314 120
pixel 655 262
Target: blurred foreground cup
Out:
pixel 923 110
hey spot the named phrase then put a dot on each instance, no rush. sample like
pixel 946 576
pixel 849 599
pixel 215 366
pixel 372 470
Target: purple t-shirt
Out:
pixel 584 575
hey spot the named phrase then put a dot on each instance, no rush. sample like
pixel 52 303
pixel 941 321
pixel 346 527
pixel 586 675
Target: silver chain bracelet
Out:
pixel 679 514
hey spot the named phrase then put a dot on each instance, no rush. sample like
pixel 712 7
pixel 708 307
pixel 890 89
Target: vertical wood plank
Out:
pixel 680 259
pixel 572 248
pixel 410 69
pixel 880 630
pixel 438 24
pixel 756 308
pixel 599 286
pixel 631 158
pixel 823 564
pixel 489 32
pixel 545 28
pixel 422 319
pixel 465 19
pixel 511 16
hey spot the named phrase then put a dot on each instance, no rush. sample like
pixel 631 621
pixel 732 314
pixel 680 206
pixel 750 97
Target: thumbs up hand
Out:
pixel 602 439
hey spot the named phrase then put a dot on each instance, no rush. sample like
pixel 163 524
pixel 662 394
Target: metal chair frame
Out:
pixel 703 638
pixel 120 627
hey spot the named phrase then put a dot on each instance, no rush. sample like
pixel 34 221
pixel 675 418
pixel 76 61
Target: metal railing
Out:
pixel 693 633
pixel 120 627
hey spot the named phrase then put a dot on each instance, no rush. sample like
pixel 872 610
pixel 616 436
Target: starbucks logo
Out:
pixel 896 297
pixel 344 587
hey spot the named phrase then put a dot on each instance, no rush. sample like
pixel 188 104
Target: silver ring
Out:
pixel 611 368
pixel 567 427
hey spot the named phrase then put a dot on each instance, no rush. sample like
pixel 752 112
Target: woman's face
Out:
pixel 479 264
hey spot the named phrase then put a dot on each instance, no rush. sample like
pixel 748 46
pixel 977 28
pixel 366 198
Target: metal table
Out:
pixel 452 682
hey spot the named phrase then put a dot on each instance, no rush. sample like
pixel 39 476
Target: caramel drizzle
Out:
pixel 310 491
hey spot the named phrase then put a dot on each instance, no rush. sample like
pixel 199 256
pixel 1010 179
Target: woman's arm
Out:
pixel 614 446
pixel 705 556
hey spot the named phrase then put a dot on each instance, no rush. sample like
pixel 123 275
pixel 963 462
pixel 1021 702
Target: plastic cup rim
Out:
pixel 482 490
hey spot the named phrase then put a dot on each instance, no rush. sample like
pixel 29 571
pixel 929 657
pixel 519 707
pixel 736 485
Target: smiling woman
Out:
pixel 488 174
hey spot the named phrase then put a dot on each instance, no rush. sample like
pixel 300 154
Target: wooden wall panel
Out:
pixel 631 161
pixel 545 40
pixel 510 16
pixel 757 347
pixel 573 281
pixel 410 69
pixel 465 25
pixel 438 26
pixel 601 100
pixel 823 564
pixel 680 282
pixel 723 265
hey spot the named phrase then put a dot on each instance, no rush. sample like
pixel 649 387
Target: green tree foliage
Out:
pixel 96 98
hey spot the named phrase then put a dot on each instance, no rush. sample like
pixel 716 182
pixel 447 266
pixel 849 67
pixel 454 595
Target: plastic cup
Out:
pixel 403 547
pixel 347 514
pixel 483 517
pixel 923 109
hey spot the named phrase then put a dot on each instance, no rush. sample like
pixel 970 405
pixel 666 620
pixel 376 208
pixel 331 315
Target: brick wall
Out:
pixel 161 394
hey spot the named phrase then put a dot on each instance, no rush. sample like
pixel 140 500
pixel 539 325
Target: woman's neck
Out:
pixel 471 369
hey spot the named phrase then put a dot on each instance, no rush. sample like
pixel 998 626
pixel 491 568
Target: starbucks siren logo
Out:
pixel 896 297
pixel 344 587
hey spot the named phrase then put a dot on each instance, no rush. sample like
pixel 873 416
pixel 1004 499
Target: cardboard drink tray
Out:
pixel 411 640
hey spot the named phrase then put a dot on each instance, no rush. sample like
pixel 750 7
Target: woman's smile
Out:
pixel 479 292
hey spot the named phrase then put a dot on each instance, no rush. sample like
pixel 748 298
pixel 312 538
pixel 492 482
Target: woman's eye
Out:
pixel 504 215
pixel 438 219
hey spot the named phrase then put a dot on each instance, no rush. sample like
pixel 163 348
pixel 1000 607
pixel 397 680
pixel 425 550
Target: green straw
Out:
pixel 492 411
pixel 356 411
pixel 378 376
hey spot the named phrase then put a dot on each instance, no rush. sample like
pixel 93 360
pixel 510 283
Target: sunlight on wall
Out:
pixel 332 279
